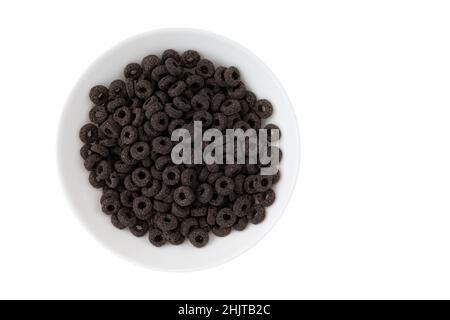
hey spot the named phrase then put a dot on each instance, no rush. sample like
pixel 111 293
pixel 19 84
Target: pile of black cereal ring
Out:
pixel 127 145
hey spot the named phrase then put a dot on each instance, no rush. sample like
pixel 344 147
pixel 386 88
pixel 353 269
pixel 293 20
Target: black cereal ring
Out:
pixel 219 121
pixel 109 193
pixel 263 183
pixel 241 224
pixel 113 180
pixel 175 124
pixel 141 177
pixel 204 193
pixel 98 114
pixel 165 192
pixel 162 162
pixel 205 68
pixel 129 184
pixel 232 77
pixel 161 206
pixel 103 170
pixel 88 133
pixel 140 150
pixel 199 212
pixel 100 149
pixel 233 119
pixel 266 199
pixel 257 214
pixel 195 83
pixel 117 89
pixel 122 116
pixel 216 101
pixel 219 76
pixel 172 112
pixel 214 167
pixel 110 129
pixel 143 89
pixel 198 237
pixel 95 180
pixel 128 135
pixel 180 212
pixel 153 189
pixel 184 196
pixel 156 174
pixel 162 96
pixel 217 199
pixel 126 157
pixel 171 53
pixel 132 71
pixel 242 205
pixel 206 92
pixel 166 222
pixel 253 120
pixel 135 102
pixel 114 104
pixel 224 186
pixel 241 124
pixel 232 170
pixel 127 197
pixel 98 95
pixel 182 104
pixel 150 132
pixel 174 237
pixel 129 86
pixel 91 161
pixel 110 205
pixel 203 174
pixel 156 237
pixel 211 216
pixel 212 86
pixel 173 67
pixel 122 167
pixel 140 228
pixel 137 117
pixel 250 97
pixel 116 223
pixel 85 151
pixel 177 88
pixel 149 63
pixel 221 232
pixel 200 102
pixel 204 117
pixel 166 82
pixel 244 108
pixel 239 184
pixel 151 106
pixel 189 177
pixel 186 226
pixel 225 218
pixel 162 145
pixel 230 107
pixel 126 217
pixel 250 184
pixel 158 72
pixel 252 169
pixel 171 175
pixel 159 121
pixel 238 92
pixel 263 108
pixel 190 58
pixel 213 176
pixel 142 207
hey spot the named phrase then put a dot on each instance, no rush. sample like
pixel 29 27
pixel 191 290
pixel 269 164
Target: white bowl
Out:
pixel 85 199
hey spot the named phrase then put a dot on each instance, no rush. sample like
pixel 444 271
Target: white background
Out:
pixel 370 82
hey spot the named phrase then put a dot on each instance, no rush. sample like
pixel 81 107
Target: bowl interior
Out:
pixel 85 199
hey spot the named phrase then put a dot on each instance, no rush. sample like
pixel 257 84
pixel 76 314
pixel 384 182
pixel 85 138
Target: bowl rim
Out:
pixel 292 171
